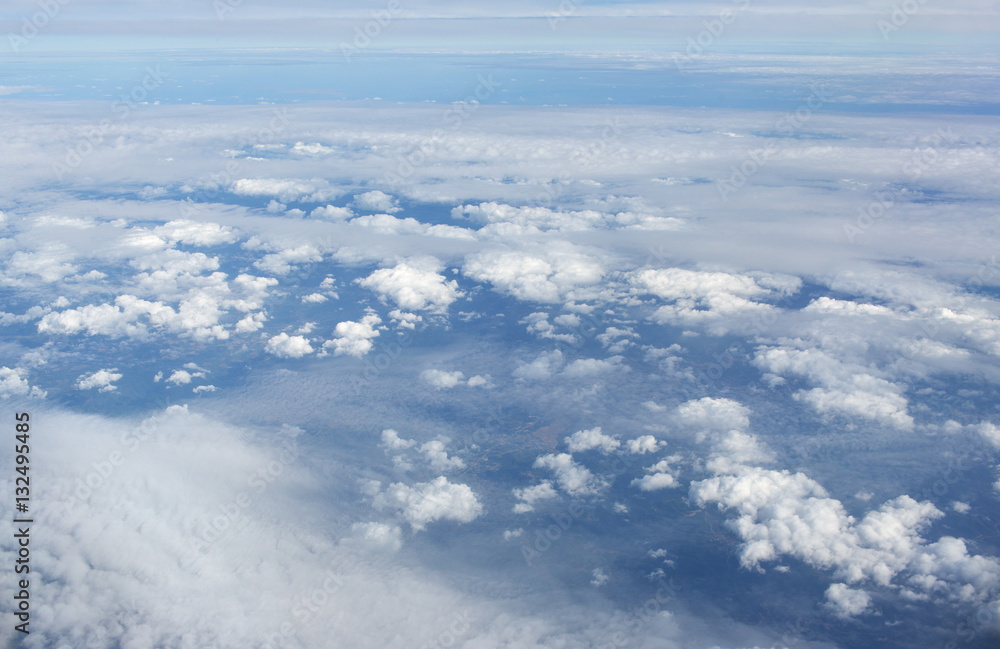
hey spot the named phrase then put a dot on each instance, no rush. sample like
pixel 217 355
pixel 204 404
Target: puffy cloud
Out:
pixel 617 340
pixel 660 476
pixel 414 285
pixel 118 320
pixel 573 478
pixel 538 324
pixel 598 577
pixel 12 383
pixel 180 377
pixel 388 224
pixel 250 322
pixel 584 440
pixel 716 300
pixel 716 415
pixel 441 379
pixel 990 432
pixel 195 233
pixel 500 219
pixel 392 441
pixel 437 457
pixel 354 338
pixel 281 262
pixel 655 481
pixel 480 381
pixel 376 201
pixel 547 277
pixel 734 448
pixel 846 388
pixel 405 320
pixel 642 445
pixel 332 213
pixel 847 602
pixel 49 263
pixel 531 495
pixel 285 346
pixel 583 367
pixel 379 535
pixel 543 367
pixel 427 502
pixel 103 380
pixel 315 190
pixel 253 291
pixel 314 298
pixel 784 513
pixel 201 301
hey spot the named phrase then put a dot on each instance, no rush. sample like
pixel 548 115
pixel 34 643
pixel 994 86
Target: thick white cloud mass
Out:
pixel 784 513
pixel 230 539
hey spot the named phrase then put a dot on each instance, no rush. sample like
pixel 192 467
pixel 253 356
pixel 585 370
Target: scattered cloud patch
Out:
pixel 103 380
pixel 285 346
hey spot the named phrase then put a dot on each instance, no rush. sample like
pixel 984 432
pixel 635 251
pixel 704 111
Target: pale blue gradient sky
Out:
pixel 520 25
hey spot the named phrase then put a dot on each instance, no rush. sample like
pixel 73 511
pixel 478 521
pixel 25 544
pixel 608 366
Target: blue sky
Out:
pixel 540 325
